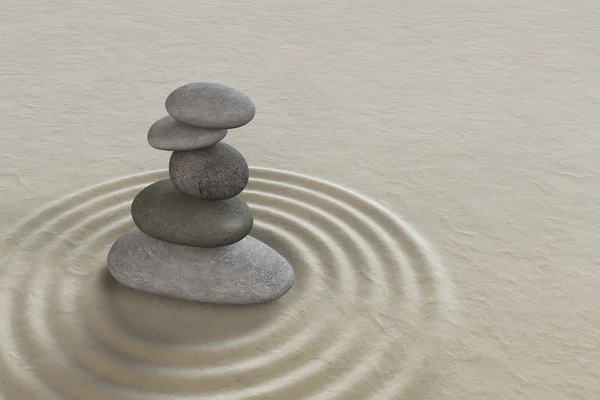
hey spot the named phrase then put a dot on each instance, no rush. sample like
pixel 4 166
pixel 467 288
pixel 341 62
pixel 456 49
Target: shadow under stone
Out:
pixel 166 320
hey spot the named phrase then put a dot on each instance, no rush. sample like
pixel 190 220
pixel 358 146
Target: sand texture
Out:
pixel 429 168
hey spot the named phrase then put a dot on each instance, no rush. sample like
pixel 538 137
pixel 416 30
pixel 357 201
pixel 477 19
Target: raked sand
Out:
pixel 430 169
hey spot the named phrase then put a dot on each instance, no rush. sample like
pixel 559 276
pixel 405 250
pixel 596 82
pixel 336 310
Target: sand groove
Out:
pixel 363 320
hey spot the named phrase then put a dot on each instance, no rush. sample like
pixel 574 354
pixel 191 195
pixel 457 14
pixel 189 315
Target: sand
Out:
pixel 429 168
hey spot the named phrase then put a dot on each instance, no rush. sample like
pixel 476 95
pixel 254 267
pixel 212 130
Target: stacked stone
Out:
pixel 191 236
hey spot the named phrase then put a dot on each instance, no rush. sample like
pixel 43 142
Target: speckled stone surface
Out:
pixel 163 212
pixel 214 173
pixel 210 105
pixel 246 272
pixel 169 134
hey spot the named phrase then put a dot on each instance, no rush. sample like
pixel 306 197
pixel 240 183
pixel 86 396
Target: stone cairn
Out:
pixel 191 236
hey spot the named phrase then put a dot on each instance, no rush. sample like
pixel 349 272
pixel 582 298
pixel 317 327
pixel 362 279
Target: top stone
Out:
pixel 210 106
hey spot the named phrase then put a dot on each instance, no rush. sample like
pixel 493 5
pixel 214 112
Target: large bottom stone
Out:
pixel 246 272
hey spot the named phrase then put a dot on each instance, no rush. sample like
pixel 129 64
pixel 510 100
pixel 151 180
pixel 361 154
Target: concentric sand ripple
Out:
pixel 365 318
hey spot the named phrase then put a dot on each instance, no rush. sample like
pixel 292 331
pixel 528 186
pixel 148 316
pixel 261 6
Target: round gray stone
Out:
pixel 169 134
pixel 214 173
pixel 210 105
pixel 246 272
pixel 164 212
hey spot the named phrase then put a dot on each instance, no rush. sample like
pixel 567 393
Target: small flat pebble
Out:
pixel 217 172
pixel 210 105
pixel 169 134
pixel 246 272
pixel 164 212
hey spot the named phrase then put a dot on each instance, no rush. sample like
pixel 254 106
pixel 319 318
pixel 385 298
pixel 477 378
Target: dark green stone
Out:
pixel 165 213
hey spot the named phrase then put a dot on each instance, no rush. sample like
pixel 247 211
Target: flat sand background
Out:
pixel 478 122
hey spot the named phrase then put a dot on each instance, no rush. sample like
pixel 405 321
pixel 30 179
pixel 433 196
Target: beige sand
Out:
pixel 477 122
